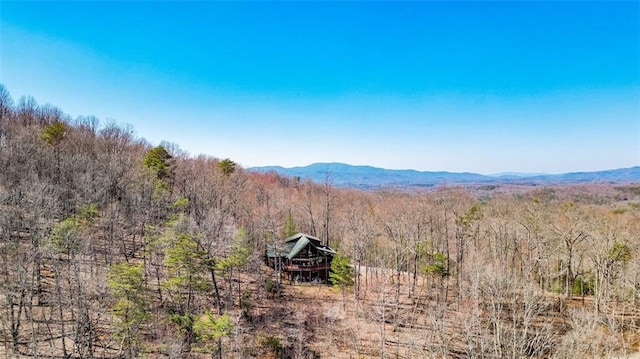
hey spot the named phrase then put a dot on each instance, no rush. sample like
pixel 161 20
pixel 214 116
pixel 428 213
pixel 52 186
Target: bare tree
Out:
pixel 568 227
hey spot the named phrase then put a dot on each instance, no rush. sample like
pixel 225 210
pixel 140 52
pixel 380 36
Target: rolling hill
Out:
pixel 345 175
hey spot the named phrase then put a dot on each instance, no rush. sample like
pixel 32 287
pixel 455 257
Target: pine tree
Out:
pixel 342 275
pixel 126 284
pixel 289 226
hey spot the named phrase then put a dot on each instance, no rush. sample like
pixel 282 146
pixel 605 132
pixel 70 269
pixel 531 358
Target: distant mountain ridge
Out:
pixel 344 175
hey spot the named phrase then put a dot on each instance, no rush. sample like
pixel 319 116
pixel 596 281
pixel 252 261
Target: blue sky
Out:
pixel 459 86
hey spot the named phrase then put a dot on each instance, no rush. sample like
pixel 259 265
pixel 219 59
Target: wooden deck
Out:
pixel 299 268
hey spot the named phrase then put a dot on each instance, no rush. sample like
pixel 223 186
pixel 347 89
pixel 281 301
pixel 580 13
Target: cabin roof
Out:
pixel 300 244
pixel 294 244
pixel 280 249
pixel 297 236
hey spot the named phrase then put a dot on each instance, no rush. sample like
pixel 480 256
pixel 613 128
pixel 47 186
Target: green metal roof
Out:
pixel 294 244
pixel 295 237
pixel 282 249
pixel 327 250
pixel 300 244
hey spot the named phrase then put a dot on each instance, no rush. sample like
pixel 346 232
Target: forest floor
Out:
pixel 393 317
pixel 386 323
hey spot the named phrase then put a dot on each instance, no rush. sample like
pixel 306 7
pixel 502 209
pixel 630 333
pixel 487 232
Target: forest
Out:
pixel 111 247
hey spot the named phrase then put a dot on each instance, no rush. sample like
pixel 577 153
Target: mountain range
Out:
pixel 345 175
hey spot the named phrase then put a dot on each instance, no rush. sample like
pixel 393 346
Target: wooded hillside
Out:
pixel 113 248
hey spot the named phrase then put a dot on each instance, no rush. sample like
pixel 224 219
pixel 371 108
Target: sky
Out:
pixel 483 86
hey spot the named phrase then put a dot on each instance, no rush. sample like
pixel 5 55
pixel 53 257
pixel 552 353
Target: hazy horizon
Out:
pixel 483 87
pixel 494 174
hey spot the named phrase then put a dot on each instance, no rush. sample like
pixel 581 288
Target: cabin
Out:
pixel 302 258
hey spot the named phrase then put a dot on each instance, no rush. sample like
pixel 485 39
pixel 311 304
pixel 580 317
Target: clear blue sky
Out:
pixel 458 86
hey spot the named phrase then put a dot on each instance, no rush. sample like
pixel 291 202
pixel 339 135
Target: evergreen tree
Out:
pixel 236 258
pixel 54 133
pixel 289 226
pixel 227 167
pixel 126 284
pixel 157 160
pixel 185 264
pixel 210 327
pixel 342 274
